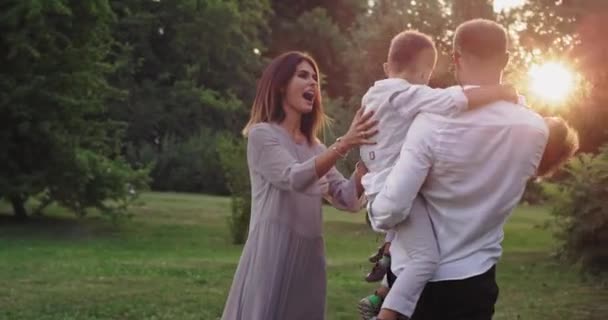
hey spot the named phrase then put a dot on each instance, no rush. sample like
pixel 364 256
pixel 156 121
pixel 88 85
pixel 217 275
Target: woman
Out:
pixel 281 274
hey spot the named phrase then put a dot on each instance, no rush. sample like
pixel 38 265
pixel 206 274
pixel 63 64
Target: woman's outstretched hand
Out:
pixel 361 130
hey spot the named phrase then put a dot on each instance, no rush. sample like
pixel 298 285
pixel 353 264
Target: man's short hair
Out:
pixel 406 46
pixel 561 146
pixel 484 39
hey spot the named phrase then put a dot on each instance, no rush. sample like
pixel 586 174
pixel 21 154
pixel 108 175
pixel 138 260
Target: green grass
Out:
pixel 174 260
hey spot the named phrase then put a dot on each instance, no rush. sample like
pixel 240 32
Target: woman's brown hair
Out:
pixel 268 103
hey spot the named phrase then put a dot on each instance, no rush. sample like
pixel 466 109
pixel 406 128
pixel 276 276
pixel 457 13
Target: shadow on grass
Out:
pixel 57 227
pixel 347 227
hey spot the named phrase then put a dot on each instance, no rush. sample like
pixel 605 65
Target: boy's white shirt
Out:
pixel 396 102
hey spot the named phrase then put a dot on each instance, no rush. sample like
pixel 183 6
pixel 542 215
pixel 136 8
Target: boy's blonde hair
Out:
pixel 406 46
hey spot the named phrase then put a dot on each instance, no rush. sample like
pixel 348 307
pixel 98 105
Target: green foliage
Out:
pixel 343 12
pixel 371 37
pixel 570 32
pixel 156 82
pixel 188 64
pixel 463 10
pixel 109 185
pixel 188 166
pixel 581 212
pixel 315 32
pixel 190 70
pixel 340 115
pixel 54 129
pixel 233 157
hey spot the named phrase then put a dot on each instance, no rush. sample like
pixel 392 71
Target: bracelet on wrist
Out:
pixel 337 150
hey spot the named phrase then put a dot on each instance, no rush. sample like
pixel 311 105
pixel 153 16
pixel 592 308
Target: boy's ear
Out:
pixel 385 67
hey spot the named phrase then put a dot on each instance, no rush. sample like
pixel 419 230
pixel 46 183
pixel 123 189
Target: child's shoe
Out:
pixel 379 270
pixel 377 256
pixel 369 307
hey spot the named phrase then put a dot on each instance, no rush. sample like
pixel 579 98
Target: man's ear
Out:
pixel 456 57
pixel 505 61
pixel 385 68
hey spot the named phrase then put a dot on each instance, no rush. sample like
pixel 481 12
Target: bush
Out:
pixel 233 157
pixel 185 166
pixel 341 114
pixel 95 181
pixel 581 212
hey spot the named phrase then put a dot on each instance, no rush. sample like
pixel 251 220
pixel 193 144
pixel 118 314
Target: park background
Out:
pixel 123 183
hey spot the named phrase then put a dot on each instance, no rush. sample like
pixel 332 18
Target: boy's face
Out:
pixel 425 64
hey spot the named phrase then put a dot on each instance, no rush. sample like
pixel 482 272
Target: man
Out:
pixel 471 171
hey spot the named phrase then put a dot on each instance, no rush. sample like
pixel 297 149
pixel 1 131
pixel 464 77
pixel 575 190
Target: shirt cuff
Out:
pixel 397 303
pixel 372 219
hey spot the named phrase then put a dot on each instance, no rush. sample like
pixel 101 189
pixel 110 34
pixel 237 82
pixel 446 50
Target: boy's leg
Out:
pixel 416 258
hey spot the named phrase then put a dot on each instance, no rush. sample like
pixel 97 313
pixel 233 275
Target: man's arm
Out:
pixel 394 202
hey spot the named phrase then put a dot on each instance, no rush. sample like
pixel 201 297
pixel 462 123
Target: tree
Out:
pixel 54 131
pixel 189 67
pixel 320 28
pixel 568 31
pixel 233 158
pixel 463 10
pixel 572 32
pixel 591 52
pixel 581 213
pixel 371 37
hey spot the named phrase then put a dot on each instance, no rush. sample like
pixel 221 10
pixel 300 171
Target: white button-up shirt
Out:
pixel 471 170
pixel 396 103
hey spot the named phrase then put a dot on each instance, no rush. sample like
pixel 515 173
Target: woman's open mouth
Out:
pixel 309 96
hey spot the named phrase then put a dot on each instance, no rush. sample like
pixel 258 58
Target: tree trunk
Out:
pixel 18 203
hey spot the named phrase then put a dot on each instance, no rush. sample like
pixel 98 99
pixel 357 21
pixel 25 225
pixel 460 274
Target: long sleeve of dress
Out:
pixel 342 192
pixel 270 159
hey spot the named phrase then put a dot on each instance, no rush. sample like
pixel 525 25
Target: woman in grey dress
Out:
pixel 281 273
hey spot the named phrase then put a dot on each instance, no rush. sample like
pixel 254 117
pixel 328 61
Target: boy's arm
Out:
pixel 449 101
pixel 481 96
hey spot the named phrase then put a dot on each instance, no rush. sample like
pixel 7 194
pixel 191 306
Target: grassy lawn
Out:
pixel 174 260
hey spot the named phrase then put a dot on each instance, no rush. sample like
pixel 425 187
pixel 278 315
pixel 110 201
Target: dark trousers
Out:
pixel 467 299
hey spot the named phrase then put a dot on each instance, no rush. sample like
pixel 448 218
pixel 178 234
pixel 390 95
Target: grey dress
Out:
pixel 281 273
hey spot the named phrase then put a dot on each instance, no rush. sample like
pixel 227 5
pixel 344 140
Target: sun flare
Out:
pixel 551 81
pixel 505 5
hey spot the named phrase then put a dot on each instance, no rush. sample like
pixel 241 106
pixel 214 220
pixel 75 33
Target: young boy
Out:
pixel 396 101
